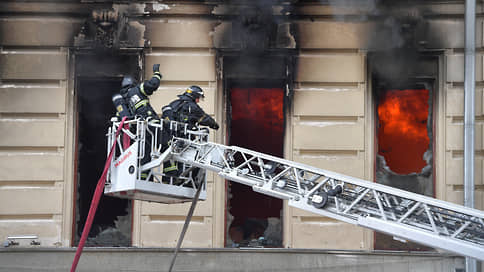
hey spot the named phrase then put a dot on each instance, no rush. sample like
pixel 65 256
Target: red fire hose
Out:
pixel 95 202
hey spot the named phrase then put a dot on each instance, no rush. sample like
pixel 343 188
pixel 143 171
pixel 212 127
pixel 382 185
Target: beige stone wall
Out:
pixel 328 132
pixel 330 123
pixel 33 116
pixel 453 181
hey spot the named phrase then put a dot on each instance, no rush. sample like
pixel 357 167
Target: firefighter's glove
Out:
pixel 214 126
pixel 156 68
pixel 156 71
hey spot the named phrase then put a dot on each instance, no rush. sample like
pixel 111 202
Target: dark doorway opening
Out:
pixel 257 123
pixel 404 155
pixel 98 76
pixel 112 223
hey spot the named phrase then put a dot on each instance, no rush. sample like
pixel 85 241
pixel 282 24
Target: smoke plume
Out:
pixel 393 42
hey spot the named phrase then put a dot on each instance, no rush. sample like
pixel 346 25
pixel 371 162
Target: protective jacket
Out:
pixel 186 110
pixel 137 96
pixel 122 108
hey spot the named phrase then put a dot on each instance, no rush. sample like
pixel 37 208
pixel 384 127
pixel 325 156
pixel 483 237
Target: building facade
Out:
pixel 327 66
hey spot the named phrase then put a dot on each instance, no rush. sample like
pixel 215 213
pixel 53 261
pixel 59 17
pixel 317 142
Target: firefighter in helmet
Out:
pixel 136 98
pixel 136 95
pixel 185 109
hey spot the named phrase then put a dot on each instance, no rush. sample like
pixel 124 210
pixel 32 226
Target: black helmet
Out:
pixel 194 92
pixel 128 81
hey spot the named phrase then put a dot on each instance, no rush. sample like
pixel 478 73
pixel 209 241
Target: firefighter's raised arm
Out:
pixel 151 85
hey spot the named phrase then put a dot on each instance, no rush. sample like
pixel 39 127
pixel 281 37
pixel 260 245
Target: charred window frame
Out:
pixel 424 73
pixel 411 84
pixel 99 68
pixel 268 69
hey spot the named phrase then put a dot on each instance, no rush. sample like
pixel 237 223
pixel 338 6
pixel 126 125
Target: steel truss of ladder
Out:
pixel 385 209
pixel 399 213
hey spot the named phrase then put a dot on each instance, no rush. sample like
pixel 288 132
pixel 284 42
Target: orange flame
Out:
pixel 402 132
pixel 263 104
pixel 257 123
pixel 258 115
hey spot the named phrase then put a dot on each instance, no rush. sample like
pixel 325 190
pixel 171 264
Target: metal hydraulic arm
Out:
pixel 399 213
pixel 403 214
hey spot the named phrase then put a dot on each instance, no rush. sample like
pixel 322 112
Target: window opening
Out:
pixel 112 222
pixel 257 123
pixel 404 157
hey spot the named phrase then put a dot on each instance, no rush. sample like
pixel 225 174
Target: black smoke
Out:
pixel 394 47
pixel 256 27
pixel 394 42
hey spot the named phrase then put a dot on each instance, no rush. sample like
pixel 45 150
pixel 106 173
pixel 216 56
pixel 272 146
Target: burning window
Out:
pixel 402 130
pixel 405 145
pixel 258 111
pixel 257 123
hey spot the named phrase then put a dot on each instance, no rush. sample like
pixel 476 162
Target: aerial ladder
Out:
pixel 402 214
